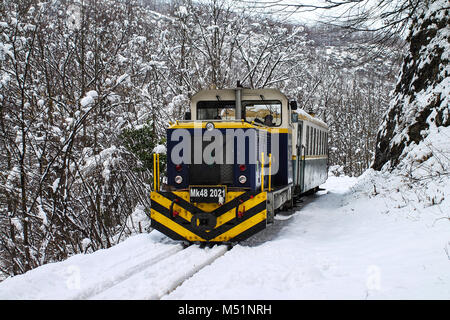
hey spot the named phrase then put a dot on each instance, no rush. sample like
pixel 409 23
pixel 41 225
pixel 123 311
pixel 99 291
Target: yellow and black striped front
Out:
pixel 242 215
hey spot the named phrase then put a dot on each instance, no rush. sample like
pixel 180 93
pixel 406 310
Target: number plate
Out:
pixel 207 194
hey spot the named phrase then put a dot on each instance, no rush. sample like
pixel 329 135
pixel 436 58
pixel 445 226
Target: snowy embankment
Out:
pixel 363 238
pixel 347 243
pixel 85 275
pixel 385 235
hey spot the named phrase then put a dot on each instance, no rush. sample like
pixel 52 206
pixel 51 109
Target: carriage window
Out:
pixel 319 151
pixel 309 141
pixel 315 142
pixel 263 112
pixel 318 142
pixel 321 142
pixel 323 145
pixel 216 110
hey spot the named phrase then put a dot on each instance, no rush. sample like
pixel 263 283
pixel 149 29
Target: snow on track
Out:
pixel 164 276
pixel 146 266
pixel 121 274
pixel 85 275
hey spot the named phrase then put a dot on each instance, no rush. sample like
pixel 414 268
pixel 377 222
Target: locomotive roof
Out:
pixel 252 94
pixel 247 94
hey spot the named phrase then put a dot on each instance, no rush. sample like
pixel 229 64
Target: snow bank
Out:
pixel 422 177
pixel 84 275
pixel 345 243
pixel 138 221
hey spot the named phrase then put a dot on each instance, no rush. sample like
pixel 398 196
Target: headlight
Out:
pixel 210 126
pixel 242 179
pixel 178 179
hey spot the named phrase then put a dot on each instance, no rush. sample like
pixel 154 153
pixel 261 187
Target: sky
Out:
pixel 288 9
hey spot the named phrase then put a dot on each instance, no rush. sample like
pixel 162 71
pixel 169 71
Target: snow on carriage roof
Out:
pixel 303 115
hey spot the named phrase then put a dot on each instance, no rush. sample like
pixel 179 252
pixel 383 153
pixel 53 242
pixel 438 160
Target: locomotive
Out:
pixel 238 158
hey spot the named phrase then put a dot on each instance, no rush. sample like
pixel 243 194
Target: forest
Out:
pixel 87 89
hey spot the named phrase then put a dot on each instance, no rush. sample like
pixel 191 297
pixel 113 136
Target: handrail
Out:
pixel 262 171
pixel 154 172
pixel 270 172
pixel 156 178
pixel 157 162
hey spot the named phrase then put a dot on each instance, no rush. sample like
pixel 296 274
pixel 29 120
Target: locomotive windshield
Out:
pixel 216 110
pixel 267 113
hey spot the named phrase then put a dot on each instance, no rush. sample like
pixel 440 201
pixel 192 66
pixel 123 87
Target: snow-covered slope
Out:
pixel 420 101
pixel 351 241
pixel 346 243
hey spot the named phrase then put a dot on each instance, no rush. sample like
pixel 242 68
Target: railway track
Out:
pixel 123 270
pixel 158 275
pixel 156 272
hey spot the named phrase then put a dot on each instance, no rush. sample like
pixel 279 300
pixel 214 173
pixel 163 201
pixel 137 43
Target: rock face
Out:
pixel 421 97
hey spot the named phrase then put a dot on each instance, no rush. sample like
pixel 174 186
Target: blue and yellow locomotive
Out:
pixel 240 156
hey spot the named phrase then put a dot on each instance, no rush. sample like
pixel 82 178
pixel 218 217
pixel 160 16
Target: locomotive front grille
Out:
pixel 214 174
pixel 209 174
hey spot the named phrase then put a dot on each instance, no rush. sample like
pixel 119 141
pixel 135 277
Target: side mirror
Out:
pixel 293 105
pixel 294 117
pixel 187 115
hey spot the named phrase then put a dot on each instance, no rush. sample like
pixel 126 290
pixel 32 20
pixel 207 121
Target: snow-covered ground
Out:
pixel 350 241
pixel 83 276
pixel 344 244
